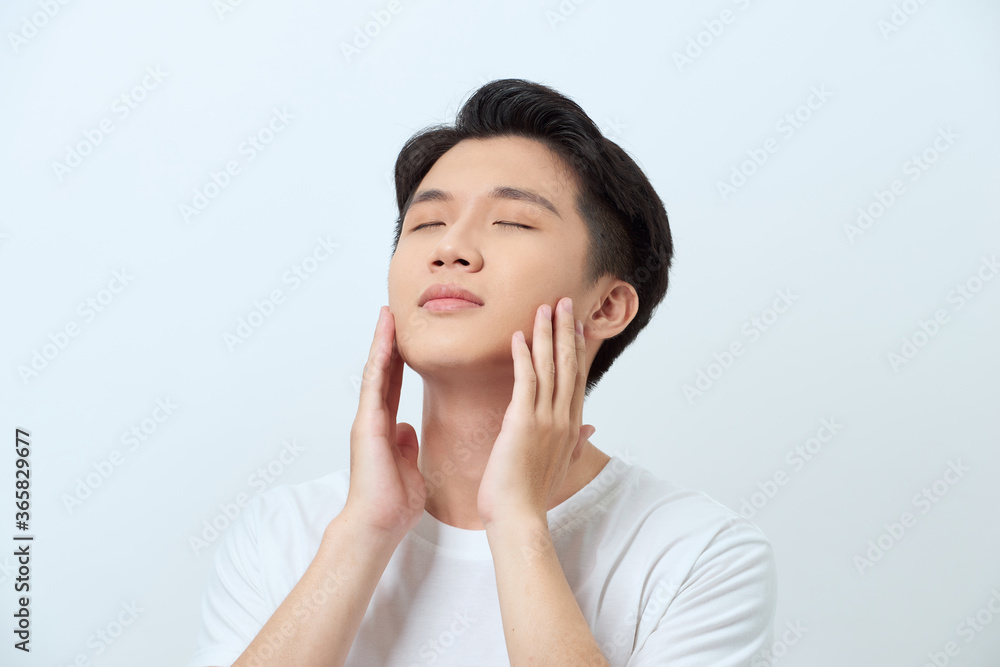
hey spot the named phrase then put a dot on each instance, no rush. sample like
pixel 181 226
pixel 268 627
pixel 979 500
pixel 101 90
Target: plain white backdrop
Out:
pixel 770 130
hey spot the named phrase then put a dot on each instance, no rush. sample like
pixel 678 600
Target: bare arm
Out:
pixel 540 436
pixel 542 621
pixel 317 622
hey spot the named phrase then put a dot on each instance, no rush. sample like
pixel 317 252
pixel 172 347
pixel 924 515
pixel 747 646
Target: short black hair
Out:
pixel 629 235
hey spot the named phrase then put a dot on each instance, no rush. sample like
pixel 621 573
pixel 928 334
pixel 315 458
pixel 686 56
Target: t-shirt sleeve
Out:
pixel 233 607
pixel 723 612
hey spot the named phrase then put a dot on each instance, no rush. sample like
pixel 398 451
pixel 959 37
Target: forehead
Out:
pixel 474 166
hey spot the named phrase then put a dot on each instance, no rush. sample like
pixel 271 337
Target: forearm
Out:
pixel 317 622
pixel 542 621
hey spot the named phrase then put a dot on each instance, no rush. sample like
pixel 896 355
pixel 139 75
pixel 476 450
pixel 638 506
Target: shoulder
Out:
pixel 311 503
pixel 682 523
pixel 709 588
pixel 687 510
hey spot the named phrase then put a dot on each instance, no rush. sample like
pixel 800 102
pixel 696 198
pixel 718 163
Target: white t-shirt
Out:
pixel 663 576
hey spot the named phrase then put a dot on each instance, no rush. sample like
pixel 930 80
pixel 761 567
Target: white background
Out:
pixel 327 174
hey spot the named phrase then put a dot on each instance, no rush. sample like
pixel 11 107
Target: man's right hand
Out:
pixel 387 491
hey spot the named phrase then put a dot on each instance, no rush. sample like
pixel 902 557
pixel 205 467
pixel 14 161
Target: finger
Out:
pixel 580 388
pixel 567 351
pixel 524 373
pixel 406 442
pixel 371 384
pixel 395 373
pixel 586 431
pixel 541 353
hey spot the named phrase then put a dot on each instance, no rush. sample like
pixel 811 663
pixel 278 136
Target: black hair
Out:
pixel 629 235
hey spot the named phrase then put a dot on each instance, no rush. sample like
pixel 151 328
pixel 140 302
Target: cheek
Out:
pixel 398 285
pixel 410 323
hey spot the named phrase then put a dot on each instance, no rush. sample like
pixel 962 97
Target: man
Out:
pixel 529 252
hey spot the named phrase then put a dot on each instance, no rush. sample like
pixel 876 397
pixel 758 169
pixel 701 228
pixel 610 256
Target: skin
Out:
pixel 502 438
pixel 468 359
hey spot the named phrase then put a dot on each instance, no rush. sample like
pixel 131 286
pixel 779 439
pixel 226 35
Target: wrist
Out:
pixel 526 535
pixel 516 521
pixel 514 514
pixel 346 528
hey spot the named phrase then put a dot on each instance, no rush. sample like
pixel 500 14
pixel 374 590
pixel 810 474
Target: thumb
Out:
pixel 406 442
pixel 586 431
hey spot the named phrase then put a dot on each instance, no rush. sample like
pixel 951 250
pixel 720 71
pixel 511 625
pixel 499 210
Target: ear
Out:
pixel 617 307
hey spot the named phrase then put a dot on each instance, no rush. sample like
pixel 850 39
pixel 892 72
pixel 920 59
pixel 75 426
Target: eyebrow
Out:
pixel 499 192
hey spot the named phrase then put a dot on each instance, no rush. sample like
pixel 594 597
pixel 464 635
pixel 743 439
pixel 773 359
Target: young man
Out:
pixel 529 252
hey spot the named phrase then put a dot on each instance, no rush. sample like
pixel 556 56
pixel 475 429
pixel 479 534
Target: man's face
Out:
pixel 510 269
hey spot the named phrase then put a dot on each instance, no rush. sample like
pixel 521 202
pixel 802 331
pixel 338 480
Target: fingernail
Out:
pixel 579 328
pixel 567 305
pixel 546 311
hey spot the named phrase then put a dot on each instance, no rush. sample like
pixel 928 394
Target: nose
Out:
pixel 459 244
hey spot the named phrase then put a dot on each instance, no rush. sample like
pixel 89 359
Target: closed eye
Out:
pixel 498 222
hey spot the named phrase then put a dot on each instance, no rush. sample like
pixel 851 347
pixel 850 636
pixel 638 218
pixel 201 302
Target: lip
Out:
pixel 451 293
pixel 440 305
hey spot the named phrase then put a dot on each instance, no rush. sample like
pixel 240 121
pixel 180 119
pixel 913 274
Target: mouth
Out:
pixel 448 304
pixel 452 296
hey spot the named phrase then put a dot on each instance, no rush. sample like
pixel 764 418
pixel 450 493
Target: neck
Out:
pixel 461 421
